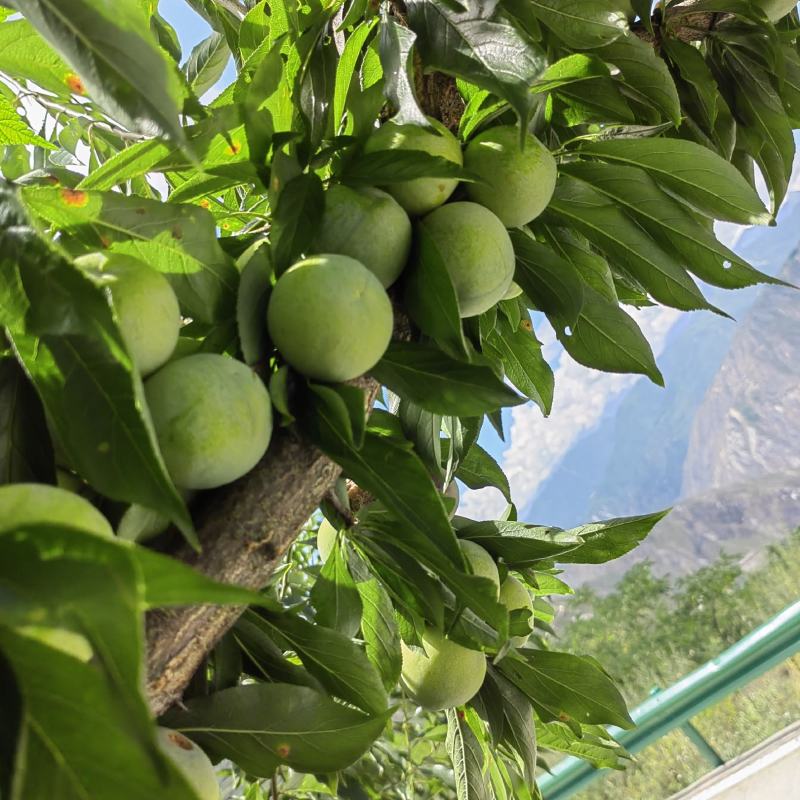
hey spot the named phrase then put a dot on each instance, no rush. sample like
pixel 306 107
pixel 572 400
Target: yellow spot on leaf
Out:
pixel 74 197
pixel 75 84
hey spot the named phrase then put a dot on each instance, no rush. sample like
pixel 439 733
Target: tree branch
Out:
pixel 244 528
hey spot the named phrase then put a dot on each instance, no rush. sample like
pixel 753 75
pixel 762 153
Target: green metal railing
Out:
pixel 759 651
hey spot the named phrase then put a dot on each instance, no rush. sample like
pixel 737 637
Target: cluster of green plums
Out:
pixel 328 315
pixel 365 237
pixel 441 673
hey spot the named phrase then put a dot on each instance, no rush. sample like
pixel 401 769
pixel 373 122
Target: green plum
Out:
pixel 517 183
pixel 145 305
pixel 193 763
pixel 476 251
pixel 441 674
pixel 368 225
pixel 330 318
pixel 420 195
pixel 514 595
pixel 480 561
pixel 212 417
pixel 24 504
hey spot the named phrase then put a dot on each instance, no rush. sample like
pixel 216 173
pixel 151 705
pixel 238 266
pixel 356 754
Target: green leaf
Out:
pixel 423 429
pixel 430 298
pixel 380 528
pixel 251 302
pixel 609 228
pixel 581 23
pixel 549 281
pixel 432 380
pixel 14 129
pixel 599 752
pixel 472 40
pixel 385 167
pixel 346 69
pixel 296 219
pixel 667 221
pixel 378 625
pixel 395 53
pixel 518 729
pixel 561 684
pixel 80 368
pixel 477 469
pixel 178 240
pixel 647 78
pixel 387 469
pixel 335 597
pixel 24 55
pixel 521 354
pixel 607 338
pixel 261 726
pixel 86 730
pixel 466 755
pixel 26 453
pixel 520 544
pixel 605 541
pixel 337 663
pixel 206 63
pixel 112 49
pixel 693 173
pixel 765 127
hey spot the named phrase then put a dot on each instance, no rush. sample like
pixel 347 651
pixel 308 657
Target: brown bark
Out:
pixel 246 527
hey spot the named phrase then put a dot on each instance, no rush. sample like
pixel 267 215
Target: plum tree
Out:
pixel 194 764
pixel 24 504
pixel 516 184
pixel 330 318
pixel 514 595
pixel 146 307
pixel 480 561
pixel 441 673
pixel 349 224
pixel 267 212
pixel 212 417
pixel 476 251
pixel 420 195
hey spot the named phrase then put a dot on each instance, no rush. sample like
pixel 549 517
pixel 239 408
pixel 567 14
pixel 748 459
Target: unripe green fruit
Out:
pixel 441 674
pixel 421 195
pixel 776 9
pixel 326 539
pixel 24 504
pixel 194 764
pixel 330 317
pixel 481 562
pixel 514 595
pixel 476 251
pixel 517 184
pixel 146 308
pixel 212 418
pixel 368 225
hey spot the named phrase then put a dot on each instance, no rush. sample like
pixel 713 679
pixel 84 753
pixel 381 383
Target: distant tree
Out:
pixel 310 293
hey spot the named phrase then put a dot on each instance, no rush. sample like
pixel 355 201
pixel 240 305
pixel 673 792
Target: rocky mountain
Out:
pixel 722 441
